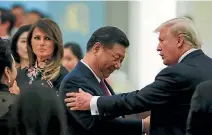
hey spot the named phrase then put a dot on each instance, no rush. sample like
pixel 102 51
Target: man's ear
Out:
pixel 7 73
pixel 180 41
pixel 96 48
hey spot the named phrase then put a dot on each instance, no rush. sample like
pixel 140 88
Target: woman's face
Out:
pixel 22 46
pixel 11 74
pixel 42 45
pixel 69 59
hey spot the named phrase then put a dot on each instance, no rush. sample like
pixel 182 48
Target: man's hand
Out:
pixel 78 101
pixel 14 89
pixel 146 124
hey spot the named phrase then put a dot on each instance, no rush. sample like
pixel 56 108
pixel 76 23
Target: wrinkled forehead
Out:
pixel 119 49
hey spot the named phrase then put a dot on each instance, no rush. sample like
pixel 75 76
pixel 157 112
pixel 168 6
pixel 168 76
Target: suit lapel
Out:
pixel 89 76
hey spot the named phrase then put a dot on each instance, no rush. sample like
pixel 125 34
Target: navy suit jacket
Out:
pixel 200 114
pixel 82 122
pixel 168 97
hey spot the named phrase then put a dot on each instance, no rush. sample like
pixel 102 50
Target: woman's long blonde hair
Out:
pixel 52 30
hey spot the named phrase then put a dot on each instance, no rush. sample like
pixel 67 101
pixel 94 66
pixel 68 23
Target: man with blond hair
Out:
pixel 168 97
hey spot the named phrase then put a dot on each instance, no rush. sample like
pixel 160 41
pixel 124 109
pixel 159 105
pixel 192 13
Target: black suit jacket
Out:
pixel 82 122
pixel 200 115
pixel 6 101
pixel 168 97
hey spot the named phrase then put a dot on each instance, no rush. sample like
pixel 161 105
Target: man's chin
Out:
pixel 106 76
pixel 166 63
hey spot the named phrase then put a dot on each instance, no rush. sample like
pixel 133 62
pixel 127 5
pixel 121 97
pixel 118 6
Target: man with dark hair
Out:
pixel 3 10
pixel 19 12
pixel 7 21
pixel 33 16
pixel 105 52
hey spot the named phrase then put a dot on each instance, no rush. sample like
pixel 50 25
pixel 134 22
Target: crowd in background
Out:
pixel 49 87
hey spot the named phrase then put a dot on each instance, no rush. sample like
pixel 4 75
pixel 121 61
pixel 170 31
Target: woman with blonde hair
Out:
pixel 45 51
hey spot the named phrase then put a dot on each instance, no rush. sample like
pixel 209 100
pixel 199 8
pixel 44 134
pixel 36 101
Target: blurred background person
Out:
pixel 7 74
pixel 38 112
pixel 19 12
pixel 7 21
pixel 45 51
pixel 3 10
pixel 19 46
pixel 72 55
pixel 32 16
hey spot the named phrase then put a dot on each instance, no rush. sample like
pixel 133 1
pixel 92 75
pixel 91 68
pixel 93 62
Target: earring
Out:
pixel 9 80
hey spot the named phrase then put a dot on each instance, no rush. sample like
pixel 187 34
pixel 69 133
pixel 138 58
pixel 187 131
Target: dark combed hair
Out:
pixel 38 111
pixel 6 59
pixel 35 11
pixel 14 42
pixel 17 5
pixel 7 16
pixel 75 48
pixel 108 36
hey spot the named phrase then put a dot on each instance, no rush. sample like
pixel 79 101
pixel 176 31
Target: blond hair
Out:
pixel 52 30
pixel 183 26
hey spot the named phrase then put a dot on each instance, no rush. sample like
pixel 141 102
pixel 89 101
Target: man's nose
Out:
pixel 118 65
pixel 158 48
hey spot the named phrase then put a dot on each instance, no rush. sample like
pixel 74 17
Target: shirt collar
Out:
pixel 186 53
pixel 5 37
pixel 91 70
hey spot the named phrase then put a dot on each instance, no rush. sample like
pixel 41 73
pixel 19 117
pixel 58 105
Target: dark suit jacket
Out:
pixel 200 115
pixel 6 101
pixel 168 97
pixel 82 122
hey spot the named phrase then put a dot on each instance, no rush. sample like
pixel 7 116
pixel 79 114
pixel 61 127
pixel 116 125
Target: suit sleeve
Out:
pixel 93 123
pixel 163 90
pixel 199 118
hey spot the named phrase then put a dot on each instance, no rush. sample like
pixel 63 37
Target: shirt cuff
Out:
pixel 142 125
pixel 93 105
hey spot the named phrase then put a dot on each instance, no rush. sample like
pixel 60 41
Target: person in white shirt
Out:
pixel 7 21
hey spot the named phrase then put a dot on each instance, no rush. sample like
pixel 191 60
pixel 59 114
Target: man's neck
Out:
pixel 185 53
pixel 184 50
pixel 3 34
pixel 91 64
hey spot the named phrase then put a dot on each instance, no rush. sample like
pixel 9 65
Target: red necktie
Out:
pixel 106 91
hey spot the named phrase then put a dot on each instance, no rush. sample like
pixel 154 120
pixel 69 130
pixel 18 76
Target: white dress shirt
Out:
pixel 186 53
pixel 5 37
